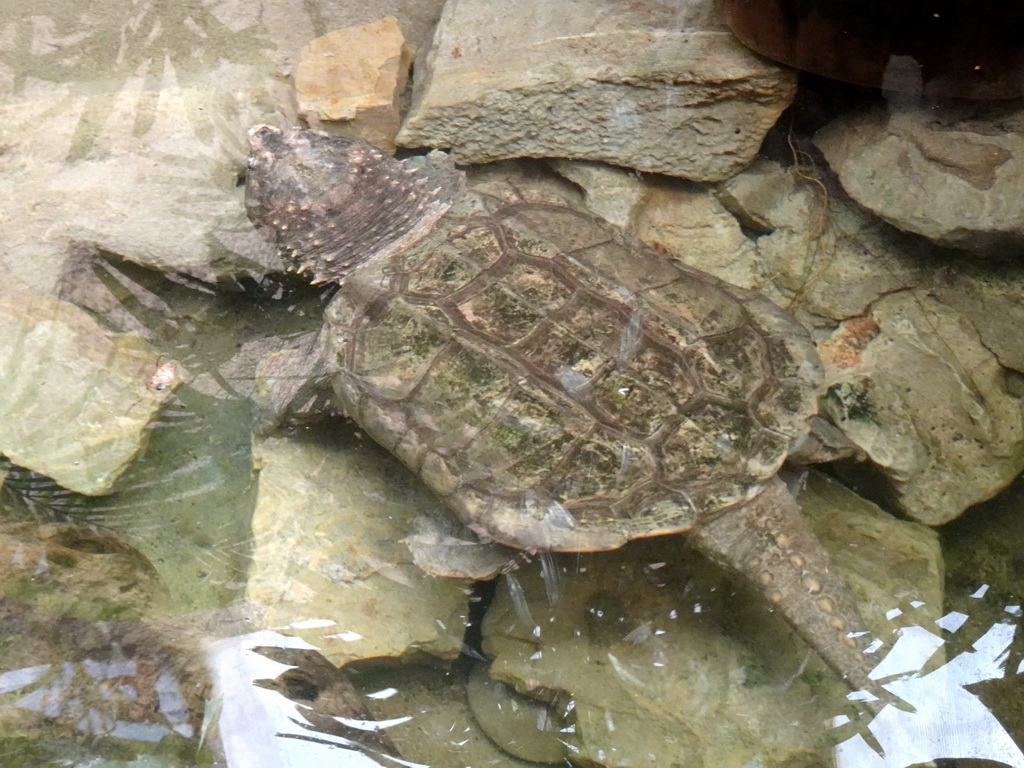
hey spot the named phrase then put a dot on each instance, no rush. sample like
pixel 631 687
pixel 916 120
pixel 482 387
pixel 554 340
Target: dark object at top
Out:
pixel 934 48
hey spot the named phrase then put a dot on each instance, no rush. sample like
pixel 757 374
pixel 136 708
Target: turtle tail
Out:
pixel 768 542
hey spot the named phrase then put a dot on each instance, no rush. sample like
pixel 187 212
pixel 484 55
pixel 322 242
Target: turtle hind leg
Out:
pixel 768 542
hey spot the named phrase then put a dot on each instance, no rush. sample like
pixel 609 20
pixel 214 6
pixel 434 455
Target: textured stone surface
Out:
pixel 75 400
pixel 989 293
pixel 356 74
pixel 653 87
pixel 329 563
pixel 913 340
pixel 686 220
pixel 667 665
pixel 913 385
pixel 961 164
pixel 815 253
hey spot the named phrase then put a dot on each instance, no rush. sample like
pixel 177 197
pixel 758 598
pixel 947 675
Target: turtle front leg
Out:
pixel 768 541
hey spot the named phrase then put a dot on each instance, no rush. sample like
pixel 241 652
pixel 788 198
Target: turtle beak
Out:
pixel 260 134
pixel 262 139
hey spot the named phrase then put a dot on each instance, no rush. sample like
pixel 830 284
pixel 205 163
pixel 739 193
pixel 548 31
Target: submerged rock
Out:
pixel 75 400
pixel 75 571
pixel 668 662
pixel 431 722
pixel 521 726
pixel 328 561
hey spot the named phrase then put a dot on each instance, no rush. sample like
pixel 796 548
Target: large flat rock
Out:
pixel 328 561
pixel 648 86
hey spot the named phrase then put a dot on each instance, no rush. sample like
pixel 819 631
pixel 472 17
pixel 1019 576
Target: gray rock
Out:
pixel 73 180
pixel 818 255
pixel 654 87
pixel 291 384
pixel 328 562
pixel 963 164
pixel 441 545
pixel 75 400
pixel 989 293
pixel 612 193
pixel 668 663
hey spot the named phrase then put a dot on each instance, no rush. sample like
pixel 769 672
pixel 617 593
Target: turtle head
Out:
pixel 331 203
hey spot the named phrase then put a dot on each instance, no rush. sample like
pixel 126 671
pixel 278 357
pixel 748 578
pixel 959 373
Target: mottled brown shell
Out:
pixel 563 386
pixel 560 384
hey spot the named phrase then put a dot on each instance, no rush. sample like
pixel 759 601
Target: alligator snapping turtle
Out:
pixel 560 385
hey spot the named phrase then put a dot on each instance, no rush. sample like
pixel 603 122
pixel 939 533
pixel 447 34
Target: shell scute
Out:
pixel 536 365
pixel 463 393
pixel 449 265
pixel 507 310
pixel 526 445
pixel 391 354
pixel 645 393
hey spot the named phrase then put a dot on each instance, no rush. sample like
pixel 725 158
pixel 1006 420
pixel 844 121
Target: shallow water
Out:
pixel 198 611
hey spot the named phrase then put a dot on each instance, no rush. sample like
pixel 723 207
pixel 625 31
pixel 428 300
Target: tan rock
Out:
pixel 683 219
pixel 356 74
pixel 912 353
pixel 914 386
